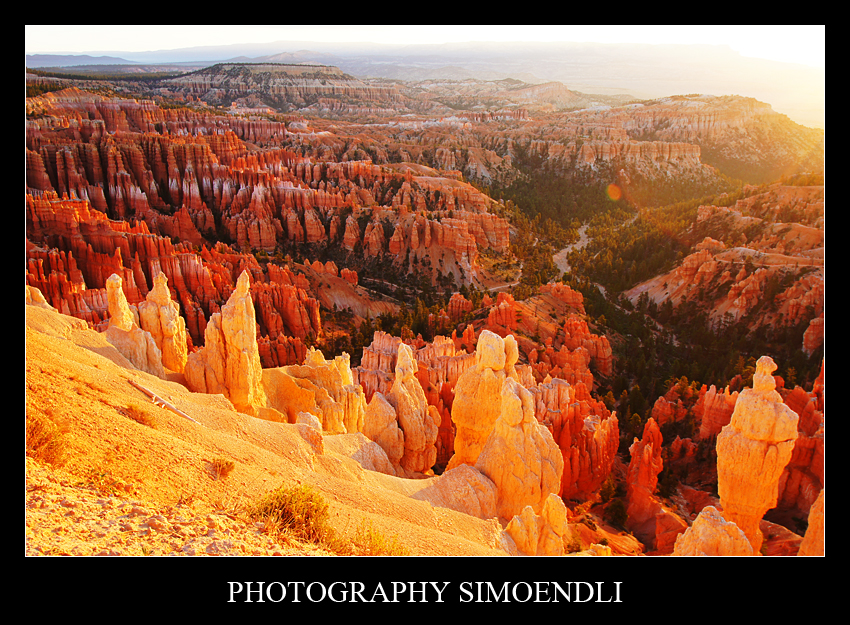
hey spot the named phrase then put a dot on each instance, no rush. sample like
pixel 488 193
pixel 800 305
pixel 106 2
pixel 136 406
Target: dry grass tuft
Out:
pixel 298 513
pixel 140 414
pixel 222 467
pixel 45 441
pixel 370 542
pixel 103 481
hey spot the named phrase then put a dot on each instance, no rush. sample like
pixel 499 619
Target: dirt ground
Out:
pixel 131 488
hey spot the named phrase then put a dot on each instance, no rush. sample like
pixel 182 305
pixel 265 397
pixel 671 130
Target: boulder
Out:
pixel 712 535
pixel 544 534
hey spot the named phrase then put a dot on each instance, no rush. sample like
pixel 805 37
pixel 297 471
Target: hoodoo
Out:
pixel 124 332
pixel 229 362
pixel 160 316
pixel 752 452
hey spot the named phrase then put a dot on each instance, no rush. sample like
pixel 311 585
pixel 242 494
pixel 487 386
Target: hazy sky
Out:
pixel 795 44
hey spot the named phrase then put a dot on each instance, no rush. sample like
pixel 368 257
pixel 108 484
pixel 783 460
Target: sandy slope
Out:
pixel 80 382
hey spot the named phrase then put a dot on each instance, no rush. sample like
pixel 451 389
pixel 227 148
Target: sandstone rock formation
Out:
pixel 439 366
pixel 34 297
pixel 650 520
pixel 714 410
pixel 381 426
pixel 803 477
pixel 288 83
pixel 519 455
pixel 292 397
pixel 712 535
pixel 366 453
pixel 478 393
pixel 545 534
pixel 458 307
pixel 229 362
pixel 752 452
pixel 813 541
pixel 464 489
pixel 160 316
pixel 778 275
pixel 585 431
pixel 417 420
pixel 137 345
pixel 324 388
pixel 644 467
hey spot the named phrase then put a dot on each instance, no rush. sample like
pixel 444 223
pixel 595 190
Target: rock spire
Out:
pixel 160 316
pixel 229 362
pixel 135 344
pixel 752 452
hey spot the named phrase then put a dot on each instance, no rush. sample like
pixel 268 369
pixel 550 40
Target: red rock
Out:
pixel 458 307
pixel 577 334
pixel 397 244
pixel 803 477
pixel 286 308
pixel 563 292
pixel 503 315
pixel 585 431
pixel 813 336
pixel 314 230
pixel 349 275
pixel 648 518
pixel 281 351
pixel 714 410
pixel 352 234
pixel 374 241
pixel 645 465
pixel 664 411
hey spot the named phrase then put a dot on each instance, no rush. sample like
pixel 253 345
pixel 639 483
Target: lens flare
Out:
pixel 614 192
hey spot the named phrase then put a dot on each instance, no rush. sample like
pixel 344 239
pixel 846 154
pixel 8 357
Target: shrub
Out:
pixel 222 467
pixel 616 513
pixel 574 544
pixel 299 513
pixel 139 414
pixel 102 480
pixel 608 490
pixel 370 542
pixel 45 441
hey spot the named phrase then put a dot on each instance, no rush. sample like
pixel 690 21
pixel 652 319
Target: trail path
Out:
pixel 560 257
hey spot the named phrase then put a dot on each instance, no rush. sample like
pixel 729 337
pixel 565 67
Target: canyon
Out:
pixel 765 266
pixel 308 272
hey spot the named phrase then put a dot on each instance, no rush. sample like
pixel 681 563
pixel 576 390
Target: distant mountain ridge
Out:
pixel 69 60
pixel 642 70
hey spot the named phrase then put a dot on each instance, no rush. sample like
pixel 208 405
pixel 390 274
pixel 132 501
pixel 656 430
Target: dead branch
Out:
pixel 159 401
